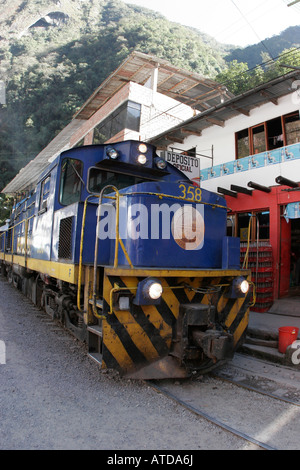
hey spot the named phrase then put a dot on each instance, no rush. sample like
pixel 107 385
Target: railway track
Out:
pixel 238 383
pixel 238 375
pixel 212 419
pixel 242 399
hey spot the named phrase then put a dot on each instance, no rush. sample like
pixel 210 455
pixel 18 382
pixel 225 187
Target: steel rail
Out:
pixel 210 418
pixel 254 389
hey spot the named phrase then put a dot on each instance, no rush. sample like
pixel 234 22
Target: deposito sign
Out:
pixel 190 166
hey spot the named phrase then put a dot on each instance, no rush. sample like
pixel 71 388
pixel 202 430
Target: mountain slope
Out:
pixel 55 53
pixel 254 55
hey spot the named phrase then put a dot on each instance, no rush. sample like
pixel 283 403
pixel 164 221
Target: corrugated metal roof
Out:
pixel 29 175
pixel 187 87
pixel 219 114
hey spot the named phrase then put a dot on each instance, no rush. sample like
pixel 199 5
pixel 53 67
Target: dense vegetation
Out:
pixel 239 78
pixel 273 47
pixel 55 53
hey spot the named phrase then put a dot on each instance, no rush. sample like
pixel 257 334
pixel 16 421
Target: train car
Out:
pixel 133 258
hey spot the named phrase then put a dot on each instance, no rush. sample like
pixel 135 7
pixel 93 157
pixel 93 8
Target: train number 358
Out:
pixel 191 193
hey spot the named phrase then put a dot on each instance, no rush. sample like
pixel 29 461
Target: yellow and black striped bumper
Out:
pixel 133 339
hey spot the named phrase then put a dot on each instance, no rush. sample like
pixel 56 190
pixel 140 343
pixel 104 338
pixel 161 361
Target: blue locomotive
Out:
pixel 133 258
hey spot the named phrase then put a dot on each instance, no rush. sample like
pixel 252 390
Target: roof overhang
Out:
pixel 237 105
pixel 28 176
pixel 187 87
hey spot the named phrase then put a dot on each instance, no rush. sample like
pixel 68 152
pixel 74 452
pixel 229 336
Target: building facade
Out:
pixel 245 147
pixel 144 96
pixel 254 161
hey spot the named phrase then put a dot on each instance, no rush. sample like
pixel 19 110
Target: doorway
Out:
pixel 290 258
pixel 295 258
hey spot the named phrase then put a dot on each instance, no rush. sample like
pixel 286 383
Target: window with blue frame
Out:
pixel 70 181
pixel 45 191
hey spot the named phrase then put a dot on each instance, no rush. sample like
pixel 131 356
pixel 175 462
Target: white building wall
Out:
pixel 159 112
pixel 223 141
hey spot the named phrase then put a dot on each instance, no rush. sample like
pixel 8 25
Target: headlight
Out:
pixel 149 292
pixel 112 153
pixel 244 286
pixel 143 148
pixel 238 288
pixel 142 159
pixel 161 164
pixel 155 290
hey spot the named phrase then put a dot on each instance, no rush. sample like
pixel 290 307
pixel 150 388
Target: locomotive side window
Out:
pixel 45 191
pixel 70 181
pixel 98 179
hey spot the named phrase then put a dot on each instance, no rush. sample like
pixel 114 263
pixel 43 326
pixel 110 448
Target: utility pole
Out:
pixel 293 3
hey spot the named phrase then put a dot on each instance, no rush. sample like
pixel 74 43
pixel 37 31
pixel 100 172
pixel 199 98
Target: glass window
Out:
pixel 45 191
pixel 98 179
pixel 275 134
pixel 259 139
pixel 292 129
pixel 127 116
pixel 133 116
pixel 243 148
pixel 70 181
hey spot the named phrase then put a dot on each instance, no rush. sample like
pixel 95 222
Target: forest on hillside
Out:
pixel 55 53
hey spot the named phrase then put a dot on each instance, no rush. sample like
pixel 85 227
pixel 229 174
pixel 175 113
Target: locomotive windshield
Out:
pixel 70 181
pixel 98 179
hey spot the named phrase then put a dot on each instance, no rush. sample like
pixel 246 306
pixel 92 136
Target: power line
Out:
pixel 237 22
pixel 250 25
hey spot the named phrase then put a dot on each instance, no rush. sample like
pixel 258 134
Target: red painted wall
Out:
pixel 280 231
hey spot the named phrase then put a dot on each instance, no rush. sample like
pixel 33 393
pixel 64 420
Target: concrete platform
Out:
pixel 262 337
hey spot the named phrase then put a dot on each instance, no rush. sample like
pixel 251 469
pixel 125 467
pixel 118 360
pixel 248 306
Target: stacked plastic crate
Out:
pixel 260 261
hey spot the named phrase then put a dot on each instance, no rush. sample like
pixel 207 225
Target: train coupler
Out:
pixel 198 335
pixel 216 345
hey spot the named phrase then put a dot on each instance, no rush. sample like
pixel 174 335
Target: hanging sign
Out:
pixel 190 166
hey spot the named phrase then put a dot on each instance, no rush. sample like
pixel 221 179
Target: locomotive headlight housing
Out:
pixel 161 164
pixel 238 288
pixel 112 153
pixel 142 159
pixel 149 292
pixel 142 148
